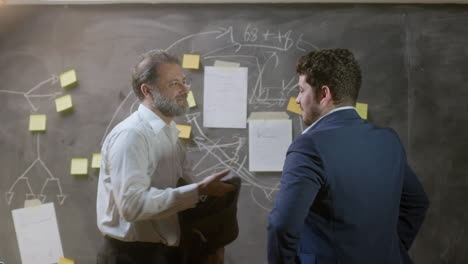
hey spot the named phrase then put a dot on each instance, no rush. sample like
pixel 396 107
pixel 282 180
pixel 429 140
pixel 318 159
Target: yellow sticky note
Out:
pixel 191 100
pixel 184 131
pixel 96 163
pixel 191 61
pixel 293 107
pixel 68 79
pixel 37 122
pixel 66 261
pixel 79 167
pixel 63 103
pixel 361 108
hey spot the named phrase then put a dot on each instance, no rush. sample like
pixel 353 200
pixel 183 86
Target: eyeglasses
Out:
pixel 176 84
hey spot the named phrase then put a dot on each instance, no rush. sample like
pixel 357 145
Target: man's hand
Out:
pixel 212 185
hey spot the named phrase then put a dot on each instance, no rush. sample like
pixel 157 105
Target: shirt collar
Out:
pixel 156 123
pixel 332 111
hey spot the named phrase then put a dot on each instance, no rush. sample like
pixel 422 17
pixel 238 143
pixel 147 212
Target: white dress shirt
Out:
pixel 332 111
pixel 137 198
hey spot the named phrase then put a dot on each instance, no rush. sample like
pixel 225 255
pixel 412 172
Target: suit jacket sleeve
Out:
pixel 413 207
pixel 301 180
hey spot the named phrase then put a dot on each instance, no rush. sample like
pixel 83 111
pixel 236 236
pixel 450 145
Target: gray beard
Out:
pixel 169 107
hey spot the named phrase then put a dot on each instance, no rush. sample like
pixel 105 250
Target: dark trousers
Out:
pixel 114 251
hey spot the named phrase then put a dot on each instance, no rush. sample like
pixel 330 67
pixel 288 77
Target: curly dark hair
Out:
pixel 335 68
pixel 145 71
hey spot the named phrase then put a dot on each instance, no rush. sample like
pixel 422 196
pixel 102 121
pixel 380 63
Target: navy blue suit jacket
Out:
pixel 347 195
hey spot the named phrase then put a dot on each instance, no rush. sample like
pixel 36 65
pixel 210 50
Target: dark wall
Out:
pixel 414 64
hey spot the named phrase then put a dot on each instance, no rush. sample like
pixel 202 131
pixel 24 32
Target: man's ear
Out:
pixel 145 90
pixel 325 95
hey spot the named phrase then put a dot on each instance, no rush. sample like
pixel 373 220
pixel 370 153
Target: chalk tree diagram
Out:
pixel 50 179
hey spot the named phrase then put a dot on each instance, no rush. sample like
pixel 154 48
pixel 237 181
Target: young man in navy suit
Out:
pixel 347 193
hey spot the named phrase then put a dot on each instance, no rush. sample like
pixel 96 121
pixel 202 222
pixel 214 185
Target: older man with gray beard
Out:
pixel 142 160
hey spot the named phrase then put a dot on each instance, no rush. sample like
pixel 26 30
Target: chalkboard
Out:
pixel 415 74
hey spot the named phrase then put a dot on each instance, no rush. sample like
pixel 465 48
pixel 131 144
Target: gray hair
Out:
pixel 145 71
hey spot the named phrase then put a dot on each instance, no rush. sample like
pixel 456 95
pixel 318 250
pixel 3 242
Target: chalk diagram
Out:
pixel 51 179
pixel 217 153
pixel 260 51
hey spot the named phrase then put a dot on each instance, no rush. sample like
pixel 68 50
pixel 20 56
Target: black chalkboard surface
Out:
pixel 414 60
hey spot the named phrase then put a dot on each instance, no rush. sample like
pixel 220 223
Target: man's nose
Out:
pixel 183 87
pixel 186 88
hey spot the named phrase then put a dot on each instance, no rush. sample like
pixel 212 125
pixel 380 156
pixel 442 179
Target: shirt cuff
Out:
pixel 189 192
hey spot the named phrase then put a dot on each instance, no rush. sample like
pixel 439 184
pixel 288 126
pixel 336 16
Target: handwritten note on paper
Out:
pixel 79 167
pixel 37 123
pixel 37 234
pixel 225 98
pixel 361 108
pixel 270 134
